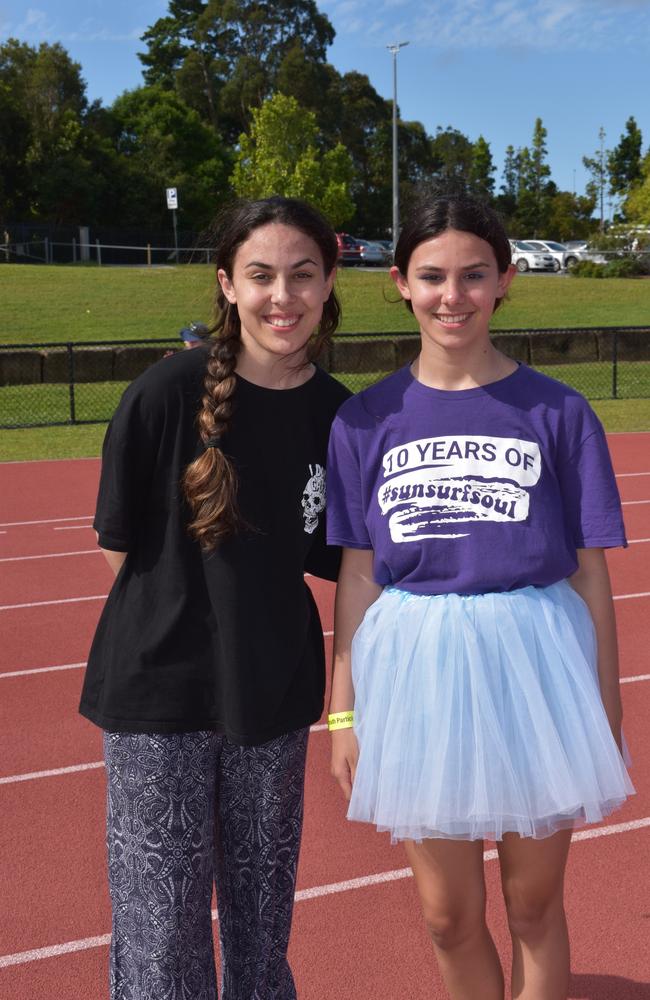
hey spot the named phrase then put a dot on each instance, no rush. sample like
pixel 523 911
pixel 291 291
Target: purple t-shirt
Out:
pixel 471 491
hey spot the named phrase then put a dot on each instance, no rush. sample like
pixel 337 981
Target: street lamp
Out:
pixel 394 49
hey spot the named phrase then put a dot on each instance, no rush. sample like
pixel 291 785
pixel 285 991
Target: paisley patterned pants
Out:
pixel 185 811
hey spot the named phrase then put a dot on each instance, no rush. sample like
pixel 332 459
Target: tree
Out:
pixel 597 167
pixel 50 155
pixel 163 143
pixel 15 180
pixel 570 216
pixel 481 181
pixel 637 203
pixel 534 187
pixel 280 156
pixel 224 56
pixel 624 161
pixel 351 112
pixel 452 154
pixel 506 200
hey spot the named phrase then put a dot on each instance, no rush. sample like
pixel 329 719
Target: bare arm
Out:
pixel 355 592
pixel 591 581
pixel 114 559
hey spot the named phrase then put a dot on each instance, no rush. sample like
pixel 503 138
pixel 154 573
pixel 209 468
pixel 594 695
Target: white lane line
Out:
pixel 54 950
pixel 75 527
pixel 629 597
pixel 48 520
pixel 51 555
pixel 12 779
pixel 632 503
pixel 42 604
pixel 626 475
pixel 632 680
pixel 316 892
pixel 42 670
pixel 637 541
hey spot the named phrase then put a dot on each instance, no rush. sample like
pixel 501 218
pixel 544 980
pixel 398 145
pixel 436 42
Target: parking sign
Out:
pixel 172 197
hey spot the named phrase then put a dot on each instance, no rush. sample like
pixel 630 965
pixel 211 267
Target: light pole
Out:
pixel 394 49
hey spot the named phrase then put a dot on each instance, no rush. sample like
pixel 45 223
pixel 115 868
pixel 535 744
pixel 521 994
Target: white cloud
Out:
pixel 478 24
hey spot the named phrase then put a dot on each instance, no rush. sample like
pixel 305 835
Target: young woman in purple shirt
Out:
pixel 475 691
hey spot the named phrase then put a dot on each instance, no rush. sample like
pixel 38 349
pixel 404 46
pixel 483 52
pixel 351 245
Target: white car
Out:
pixel 526 258
pixel 558 251
pixel 578 250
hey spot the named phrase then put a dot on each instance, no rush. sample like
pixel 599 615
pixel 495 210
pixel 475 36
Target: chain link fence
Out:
pixel 81 383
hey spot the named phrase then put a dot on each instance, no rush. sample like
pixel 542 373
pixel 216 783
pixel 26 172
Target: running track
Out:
pixel 357 933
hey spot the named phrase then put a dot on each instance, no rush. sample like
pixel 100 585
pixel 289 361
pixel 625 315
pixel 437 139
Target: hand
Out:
pixel 614 712
pixel 345 754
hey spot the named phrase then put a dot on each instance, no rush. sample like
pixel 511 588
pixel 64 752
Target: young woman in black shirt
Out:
pixel 207 667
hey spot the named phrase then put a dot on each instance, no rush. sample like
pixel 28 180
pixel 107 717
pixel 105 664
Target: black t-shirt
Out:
pixel 229 641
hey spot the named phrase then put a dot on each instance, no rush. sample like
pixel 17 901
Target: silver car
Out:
pixel 558 251
pixel 372 253
pixel 526 258
pixel 578 250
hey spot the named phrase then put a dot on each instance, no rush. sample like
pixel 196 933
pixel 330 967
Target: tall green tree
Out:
pixel 637 203
pixel 506 200
pixel 481 180
pixel 224 56
pixel 570 216
pixel 52 159
pixel 163 143
pixel 624 161
pixel 597 165
pixel 452 154
pixel 280 155
pixel 534 187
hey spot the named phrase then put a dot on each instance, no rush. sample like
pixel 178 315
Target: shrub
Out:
pixel 588 269
pixel 619 267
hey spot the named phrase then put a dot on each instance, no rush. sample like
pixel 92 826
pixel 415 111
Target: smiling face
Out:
pixel 279 286
pixel 452 283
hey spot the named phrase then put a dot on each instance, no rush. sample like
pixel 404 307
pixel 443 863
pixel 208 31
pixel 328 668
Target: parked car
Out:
pixel 558 251
pixel 372 253
pixel 578 250
pixel 349 249
pixel 526 258
pixel 387 246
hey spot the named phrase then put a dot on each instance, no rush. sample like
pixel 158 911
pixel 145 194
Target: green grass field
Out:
pixel 56 304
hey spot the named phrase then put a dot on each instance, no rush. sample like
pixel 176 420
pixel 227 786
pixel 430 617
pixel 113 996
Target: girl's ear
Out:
pixel 505 280
pixel 401 282
pixel 227 286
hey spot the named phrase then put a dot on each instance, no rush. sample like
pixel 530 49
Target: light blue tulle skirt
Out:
pixel 481 715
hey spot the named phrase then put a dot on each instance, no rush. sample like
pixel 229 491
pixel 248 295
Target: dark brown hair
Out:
pixel 434 215
pixel 210 482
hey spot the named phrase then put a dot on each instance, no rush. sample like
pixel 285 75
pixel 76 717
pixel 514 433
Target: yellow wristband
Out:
pixel 340 720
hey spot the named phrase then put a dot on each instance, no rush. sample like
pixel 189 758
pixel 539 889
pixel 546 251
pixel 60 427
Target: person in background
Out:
pixel 475 690
pixel 194 335
pixel 207 667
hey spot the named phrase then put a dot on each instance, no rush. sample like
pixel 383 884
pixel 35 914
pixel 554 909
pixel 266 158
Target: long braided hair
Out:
pixel 210 482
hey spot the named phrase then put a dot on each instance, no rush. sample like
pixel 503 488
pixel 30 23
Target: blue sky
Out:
pixel 485 67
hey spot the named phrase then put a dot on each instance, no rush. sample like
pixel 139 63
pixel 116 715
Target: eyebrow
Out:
pixel 269 267
pixel 466 267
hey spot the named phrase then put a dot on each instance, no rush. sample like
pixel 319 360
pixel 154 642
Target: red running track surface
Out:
pixel 364 942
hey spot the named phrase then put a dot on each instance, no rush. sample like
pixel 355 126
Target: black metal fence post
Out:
pixel 615 365
pixel 70 350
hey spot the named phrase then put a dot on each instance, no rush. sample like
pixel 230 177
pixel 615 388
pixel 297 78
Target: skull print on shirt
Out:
pixel 313 497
